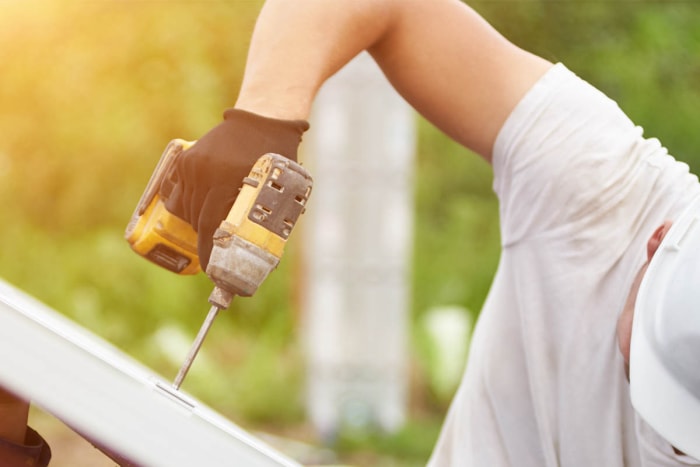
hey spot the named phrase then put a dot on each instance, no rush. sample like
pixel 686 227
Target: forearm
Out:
pixel 440 55
pixel 19 444
pixel 297 45
pixel 14 413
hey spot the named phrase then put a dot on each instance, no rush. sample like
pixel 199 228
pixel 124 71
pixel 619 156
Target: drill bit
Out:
pixel 196 346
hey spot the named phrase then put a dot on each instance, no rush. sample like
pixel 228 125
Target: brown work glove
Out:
pixel 208 176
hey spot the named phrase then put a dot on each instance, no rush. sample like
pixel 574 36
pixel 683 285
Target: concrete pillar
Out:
pixel 357 245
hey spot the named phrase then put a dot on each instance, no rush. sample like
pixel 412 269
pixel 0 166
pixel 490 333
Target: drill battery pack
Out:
pixel 155 233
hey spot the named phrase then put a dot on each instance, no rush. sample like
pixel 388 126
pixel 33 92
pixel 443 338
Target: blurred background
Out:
pixel 92 91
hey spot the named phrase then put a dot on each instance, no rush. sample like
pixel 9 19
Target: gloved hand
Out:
pixel 206 178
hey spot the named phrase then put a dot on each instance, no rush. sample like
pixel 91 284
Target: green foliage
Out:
pixel 456 217
pixel 406 448
pixel 643 54
pixel 92 91
pixel 457 239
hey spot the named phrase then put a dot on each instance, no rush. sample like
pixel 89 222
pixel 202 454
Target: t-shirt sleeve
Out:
pixel 35 451
pixel 569 160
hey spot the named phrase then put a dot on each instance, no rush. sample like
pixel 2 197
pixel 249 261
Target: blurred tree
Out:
pixel 91 91
pixel 644 54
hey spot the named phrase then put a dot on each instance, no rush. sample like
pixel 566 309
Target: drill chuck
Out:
pixel 237 265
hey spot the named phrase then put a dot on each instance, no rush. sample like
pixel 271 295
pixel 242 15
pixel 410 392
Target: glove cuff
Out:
pixel 273 135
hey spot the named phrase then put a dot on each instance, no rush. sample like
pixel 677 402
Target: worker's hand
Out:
pixel 207 177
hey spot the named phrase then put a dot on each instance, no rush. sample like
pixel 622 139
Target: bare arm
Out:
pixel 445 60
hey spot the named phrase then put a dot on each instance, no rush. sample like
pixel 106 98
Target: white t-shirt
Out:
pixel 580 193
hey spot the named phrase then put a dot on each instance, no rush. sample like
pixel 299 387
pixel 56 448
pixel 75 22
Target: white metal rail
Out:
pixel 119 403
